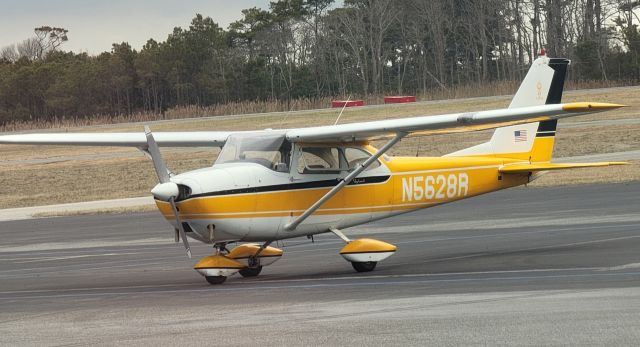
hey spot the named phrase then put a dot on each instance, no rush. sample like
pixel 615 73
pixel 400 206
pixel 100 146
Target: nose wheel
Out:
pixel 253 267
pixel 250 271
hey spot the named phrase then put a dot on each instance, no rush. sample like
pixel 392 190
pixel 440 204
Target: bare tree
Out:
pixel 437 23
pixel 348 28
pixel 29 49
pixel 9 53
pixel 49 39
pixel 555 28
pixel 536 25
pixel 381 14
pixel 316 9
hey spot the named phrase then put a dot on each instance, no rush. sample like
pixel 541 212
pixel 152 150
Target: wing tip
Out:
pixel 619 163
pixel 590 106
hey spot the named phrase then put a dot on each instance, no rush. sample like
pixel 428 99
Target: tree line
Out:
pixel 314 48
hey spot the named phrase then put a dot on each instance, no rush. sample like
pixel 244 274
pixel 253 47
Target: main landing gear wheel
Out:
pixel 216 279
pixel 250 271
pixel 364 266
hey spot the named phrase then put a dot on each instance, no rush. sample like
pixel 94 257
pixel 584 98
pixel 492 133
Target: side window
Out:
pixel 319 160
pixel 355 156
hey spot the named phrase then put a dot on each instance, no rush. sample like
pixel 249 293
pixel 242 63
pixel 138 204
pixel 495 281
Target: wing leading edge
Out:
pixel 167 139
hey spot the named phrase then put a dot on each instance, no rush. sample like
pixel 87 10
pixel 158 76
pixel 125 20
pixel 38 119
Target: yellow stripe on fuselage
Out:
pixel 414 183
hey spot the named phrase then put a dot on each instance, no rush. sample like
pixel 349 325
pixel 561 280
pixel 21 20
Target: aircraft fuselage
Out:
pixel 248 202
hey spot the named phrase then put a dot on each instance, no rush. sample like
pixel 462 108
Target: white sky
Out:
pixel 95 24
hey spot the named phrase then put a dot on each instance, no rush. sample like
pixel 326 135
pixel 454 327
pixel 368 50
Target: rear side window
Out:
pixel 319 160
pixel 355 156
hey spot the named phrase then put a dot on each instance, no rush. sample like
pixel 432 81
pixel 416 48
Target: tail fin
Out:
pixel 543 84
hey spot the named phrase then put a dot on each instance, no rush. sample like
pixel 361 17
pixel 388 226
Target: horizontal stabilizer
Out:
pixel 521 168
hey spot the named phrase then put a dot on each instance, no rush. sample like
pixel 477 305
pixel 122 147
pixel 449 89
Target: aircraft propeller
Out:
pixel 165 190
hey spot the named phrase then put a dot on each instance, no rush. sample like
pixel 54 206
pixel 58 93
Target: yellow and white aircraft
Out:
pixel 277 184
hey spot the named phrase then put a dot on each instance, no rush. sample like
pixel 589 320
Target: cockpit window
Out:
pixel 269 150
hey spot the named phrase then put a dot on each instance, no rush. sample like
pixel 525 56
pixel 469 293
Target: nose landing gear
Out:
pixel 217 267
pixel 247 259
pixel 255 257
pixel 250 271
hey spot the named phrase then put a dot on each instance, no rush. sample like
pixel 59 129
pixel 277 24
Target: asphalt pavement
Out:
pixel 526 266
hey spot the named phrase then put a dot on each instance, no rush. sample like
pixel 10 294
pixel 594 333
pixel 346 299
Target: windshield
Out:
pixel 269 150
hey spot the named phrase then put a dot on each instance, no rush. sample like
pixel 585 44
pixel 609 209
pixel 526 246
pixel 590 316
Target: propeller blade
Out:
pixel 183 235
pixel 166 189
pixel 154 151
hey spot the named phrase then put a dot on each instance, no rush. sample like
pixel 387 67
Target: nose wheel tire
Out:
pixel 216 279
pixel 364 266
pixel 250 271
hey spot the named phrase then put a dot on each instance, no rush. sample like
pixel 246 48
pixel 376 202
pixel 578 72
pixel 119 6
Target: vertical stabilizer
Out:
pixel 543 84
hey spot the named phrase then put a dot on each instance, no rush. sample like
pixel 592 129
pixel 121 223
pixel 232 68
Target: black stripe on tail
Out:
pixel 557 83
pixel 548 128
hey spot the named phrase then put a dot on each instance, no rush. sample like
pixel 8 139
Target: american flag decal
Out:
pixel 520 135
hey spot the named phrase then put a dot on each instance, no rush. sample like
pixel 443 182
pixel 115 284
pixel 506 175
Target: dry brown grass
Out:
pixel 265 106
pixel 85 180
pixel 100 175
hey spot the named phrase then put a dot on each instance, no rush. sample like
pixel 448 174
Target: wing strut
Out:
pixel 294 224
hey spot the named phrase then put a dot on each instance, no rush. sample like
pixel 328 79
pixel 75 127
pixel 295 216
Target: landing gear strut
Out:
pixel 221 248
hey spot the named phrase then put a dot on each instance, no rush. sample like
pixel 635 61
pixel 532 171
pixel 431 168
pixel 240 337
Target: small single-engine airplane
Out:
pixel 277 184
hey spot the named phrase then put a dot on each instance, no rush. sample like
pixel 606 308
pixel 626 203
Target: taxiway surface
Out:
pixel 520 267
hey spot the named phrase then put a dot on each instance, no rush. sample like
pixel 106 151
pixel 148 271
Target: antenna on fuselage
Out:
pixel 342 110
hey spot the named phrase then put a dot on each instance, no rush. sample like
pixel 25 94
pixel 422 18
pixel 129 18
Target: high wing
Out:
pixel 423 125
pixel 444 124
pixel 167 139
